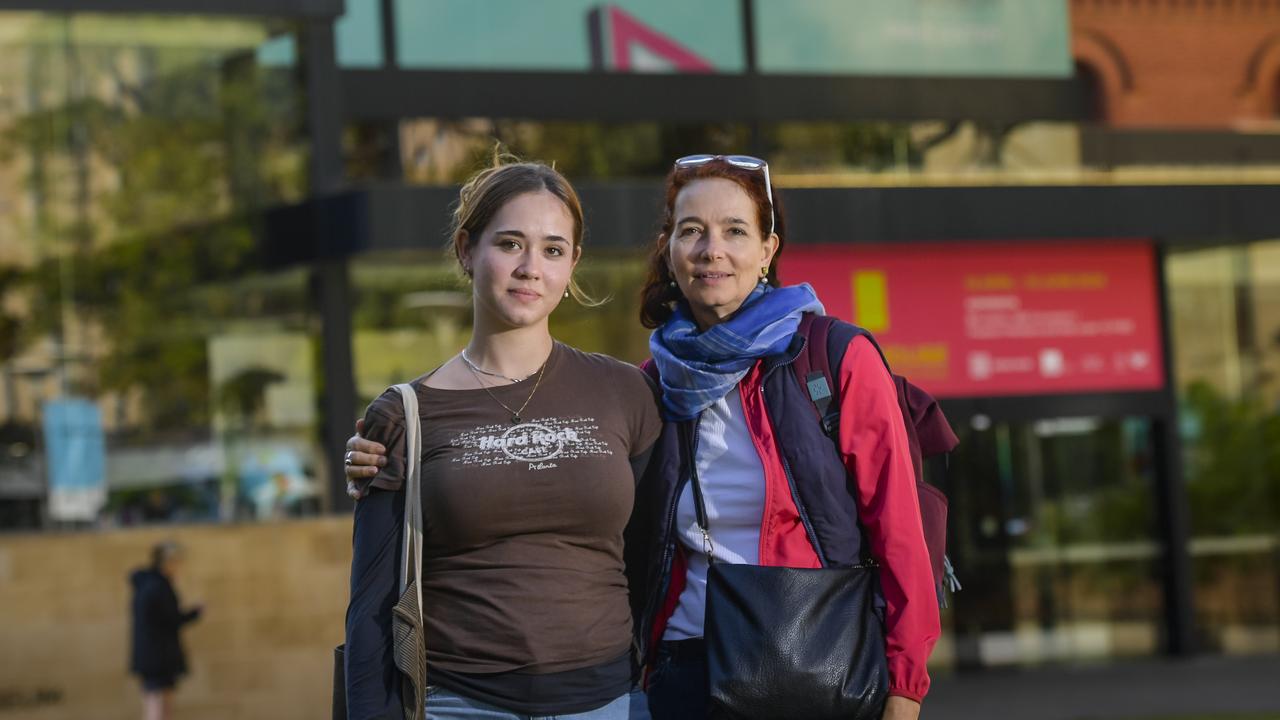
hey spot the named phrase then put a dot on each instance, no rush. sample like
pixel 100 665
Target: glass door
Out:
pixel 1053 535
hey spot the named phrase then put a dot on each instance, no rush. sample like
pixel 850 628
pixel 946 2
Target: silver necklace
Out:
pixel 477 369
pixel 515 414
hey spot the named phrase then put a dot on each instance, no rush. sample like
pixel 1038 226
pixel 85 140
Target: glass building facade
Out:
pixel 146 161
pixel 135 152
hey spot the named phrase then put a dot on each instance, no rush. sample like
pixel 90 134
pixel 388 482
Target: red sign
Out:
pixel 981 319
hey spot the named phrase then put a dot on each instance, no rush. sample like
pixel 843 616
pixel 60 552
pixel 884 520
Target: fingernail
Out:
pixel 382 461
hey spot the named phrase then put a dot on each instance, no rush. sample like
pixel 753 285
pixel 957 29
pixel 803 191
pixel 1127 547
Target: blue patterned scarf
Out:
pixel 698 368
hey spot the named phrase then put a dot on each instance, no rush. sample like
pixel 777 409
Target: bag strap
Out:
pixel 812 366
pixel 411 548
pixel 688 432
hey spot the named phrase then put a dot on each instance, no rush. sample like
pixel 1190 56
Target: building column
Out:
pixel 330 279
pixel 1172 517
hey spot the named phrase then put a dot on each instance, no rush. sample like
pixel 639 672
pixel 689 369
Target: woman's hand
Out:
pixel 900 708
pixel 363 459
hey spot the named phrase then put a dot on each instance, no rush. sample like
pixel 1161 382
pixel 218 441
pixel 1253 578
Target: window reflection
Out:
pixel 1225 310
pixel 134 152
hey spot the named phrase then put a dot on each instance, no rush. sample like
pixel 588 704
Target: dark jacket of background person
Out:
pixel 157 618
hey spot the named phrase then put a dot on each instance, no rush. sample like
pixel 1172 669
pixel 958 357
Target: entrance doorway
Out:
pixel 1053 533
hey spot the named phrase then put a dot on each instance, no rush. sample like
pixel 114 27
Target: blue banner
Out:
pixel 76 456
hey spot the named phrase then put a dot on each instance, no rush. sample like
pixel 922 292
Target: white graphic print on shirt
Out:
pixel 535 443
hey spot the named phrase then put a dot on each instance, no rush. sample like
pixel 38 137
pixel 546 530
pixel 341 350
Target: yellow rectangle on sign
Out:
pixel 871 300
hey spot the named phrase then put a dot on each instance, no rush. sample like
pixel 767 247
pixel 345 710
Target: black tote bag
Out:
pixel 795 643
pixel 791 642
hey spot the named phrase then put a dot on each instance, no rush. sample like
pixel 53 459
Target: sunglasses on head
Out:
pixel 746 162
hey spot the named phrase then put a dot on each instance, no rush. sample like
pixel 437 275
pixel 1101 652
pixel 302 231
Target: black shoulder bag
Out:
pixel 792 642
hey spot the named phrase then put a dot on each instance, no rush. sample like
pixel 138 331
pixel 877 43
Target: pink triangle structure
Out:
pixel 628 31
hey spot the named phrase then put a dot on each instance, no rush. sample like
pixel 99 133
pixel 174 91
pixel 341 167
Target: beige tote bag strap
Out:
pixel 411 550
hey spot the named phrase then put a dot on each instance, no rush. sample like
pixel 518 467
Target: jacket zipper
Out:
pixel 786 470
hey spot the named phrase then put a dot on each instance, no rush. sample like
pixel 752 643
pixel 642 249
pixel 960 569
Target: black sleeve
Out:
pixel 640 464
pixel 635 538
pixel 373 683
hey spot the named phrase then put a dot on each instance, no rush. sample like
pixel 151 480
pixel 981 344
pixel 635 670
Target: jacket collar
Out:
pixel 786 357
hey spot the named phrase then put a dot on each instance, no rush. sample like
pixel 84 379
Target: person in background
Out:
pixel 157 657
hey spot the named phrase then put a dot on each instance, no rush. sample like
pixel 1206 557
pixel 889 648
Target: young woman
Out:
pixel 721 325
pixel 530 455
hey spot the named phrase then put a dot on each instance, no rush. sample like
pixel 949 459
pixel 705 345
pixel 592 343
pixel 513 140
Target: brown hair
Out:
pixel 659 293
pixel 486 192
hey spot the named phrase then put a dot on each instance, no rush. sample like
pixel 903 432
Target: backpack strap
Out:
pixel 650 368
pixel 812 367
pixel 827 339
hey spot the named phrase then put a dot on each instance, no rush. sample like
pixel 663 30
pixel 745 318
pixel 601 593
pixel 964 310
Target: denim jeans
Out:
pixel 443 704
pixel 678 683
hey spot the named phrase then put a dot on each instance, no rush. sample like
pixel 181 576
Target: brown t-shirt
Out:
pixel 523 566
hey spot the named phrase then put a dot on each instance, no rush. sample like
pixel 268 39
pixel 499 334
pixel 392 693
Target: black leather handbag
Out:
pixel 792 642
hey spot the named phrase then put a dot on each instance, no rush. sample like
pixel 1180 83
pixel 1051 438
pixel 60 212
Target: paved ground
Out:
pixel 1204 686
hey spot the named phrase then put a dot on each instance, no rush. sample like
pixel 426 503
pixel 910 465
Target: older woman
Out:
pixel 724 335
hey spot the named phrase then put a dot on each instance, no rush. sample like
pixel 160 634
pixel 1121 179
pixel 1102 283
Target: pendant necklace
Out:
pixel 477 369
pixel 515 414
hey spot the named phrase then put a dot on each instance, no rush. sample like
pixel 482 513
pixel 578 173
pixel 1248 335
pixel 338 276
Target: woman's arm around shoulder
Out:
pixel 384 424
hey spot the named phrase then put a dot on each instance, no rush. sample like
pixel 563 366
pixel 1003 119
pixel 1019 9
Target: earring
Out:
pixel 566 293
pixel 764 272
pixel 672 283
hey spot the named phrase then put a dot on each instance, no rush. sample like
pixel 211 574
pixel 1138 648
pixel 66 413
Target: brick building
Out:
pixel 1187 64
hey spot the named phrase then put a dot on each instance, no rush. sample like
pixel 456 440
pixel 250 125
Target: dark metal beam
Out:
pixel 330 279
pixel 390 50
pixel 1111 147
pixel 624 215
pixel 268 8
pixel 1023 408
pixel 1173 521
pixel 622 97
pixel 1169 213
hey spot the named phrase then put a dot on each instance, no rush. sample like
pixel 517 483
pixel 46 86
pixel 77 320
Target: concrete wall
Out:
pixel 274 594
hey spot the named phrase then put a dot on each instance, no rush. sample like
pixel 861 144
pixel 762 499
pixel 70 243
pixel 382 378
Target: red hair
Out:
pixel 659 292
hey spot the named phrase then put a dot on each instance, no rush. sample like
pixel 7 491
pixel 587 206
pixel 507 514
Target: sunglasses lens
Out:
pixel 691 160
pixel 745 161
